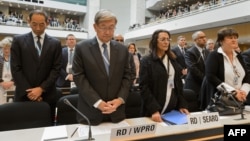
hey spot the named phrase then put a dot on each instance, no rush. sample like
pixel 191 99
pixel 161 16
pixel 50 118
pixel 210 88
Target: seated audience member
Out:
pixel 226 67
pixel 6 80
pixel 160 80
pixel 65 78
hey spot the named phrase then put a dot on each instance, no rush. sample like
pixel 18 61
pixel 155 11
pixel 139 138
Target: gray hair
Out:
pixel 196 34
pixel 7 41
pixel 104 15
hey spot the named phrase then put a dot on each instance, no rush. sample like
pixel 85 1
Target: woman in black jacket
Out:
pixel 160 79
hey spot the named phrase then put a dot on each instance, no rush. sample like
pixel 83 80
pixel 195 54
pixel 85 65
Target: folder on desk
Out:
pixel 175 117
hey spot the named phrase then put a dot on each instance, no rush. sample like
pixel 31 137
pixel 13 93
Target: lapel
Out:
pixel 199 57
pixel 95 50
pixel 45 48
pixel 113 55
pixel 29 41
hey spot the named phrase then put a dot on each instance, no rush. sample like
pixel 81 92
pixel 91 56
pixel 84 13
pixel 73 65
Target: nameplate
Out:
pixel 132 131
pixel 202 120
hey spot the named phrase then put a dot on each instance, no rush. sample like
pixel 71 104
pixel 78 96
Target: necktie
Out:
pixel 106 57
pixel 203 54
pixel 39 42
pixel 70 56
pixel 183 51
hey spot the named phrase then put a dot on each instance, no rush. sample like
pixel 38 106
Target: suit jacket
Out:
pixel 61 82
pixel 180 57
pixel 153 83
pixel 93 82
pixel 196 69
pixel 246 58
pixel 30 70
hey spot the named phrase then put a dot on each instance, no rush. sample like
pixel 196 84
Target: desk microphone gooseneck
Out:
pixel 66 101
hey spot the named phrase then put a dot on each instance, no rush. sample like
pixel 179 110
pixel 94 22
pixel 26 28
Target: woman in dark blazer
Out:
pixel 225 66
pixel 160 81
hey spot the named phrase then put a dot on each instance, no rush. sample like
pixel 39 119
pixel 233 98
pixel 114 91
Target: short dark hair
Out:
pixel 39 12
pixel 224 32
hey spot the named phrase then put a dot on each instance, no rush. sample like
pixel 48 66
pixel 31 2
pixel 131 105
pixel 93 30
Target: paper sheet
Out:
pixel 54 132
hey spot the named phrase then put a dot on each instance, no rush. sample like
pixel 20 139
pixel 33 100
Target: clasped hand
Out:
pixel 109 106
pixel 34 94
pixel 241 95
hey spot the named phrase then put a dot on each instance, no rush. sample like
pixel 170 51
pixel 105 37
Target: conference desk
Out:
pixel 163 131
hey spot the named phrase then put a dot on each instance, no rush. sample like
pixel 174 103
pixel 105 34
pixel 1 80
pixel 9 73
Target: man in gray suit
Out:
pixel 36 62
pixel 101 73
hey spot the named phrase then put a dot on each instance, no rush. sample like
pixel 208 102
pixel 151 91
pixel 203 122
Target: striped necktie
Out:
pixel 106 57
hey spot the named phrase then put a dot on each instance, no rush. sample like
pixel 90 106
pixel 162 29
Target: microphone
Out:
pixel 66 101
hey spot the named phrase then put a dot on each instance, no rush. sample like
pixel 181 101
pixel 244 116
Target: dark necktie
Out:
pixel 106 57
pixel 70 56
pixel 203 54
pixel 39 42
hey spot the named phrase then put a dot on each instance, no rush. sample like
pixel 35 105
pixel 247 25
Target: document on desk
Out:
pixel 103 128
pixel 175 117
pixel 54 133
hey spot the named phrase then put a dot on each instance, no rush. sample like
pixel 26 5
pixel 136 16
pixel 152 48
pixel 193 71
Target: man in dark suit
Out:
pixel 66 78
pixel 101 73
pixel 36 62
pixel 195 60
pixel 180 51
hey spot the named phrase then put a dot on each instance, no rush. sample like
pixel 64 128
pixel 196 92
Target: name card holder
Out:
pixel 132 131
pixel 203 120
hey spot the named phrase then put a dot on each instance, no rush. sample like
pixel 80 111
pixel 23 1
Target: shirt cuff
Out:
pixel 121 100
pixel 245 87
pixel 97 103
pixel 225 87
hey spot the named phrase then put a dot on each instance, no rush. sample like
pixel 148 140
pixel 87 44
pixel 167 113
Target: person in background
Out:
pixel 210 45
pixel 136 57
pixel 119 38
pixel 6 80
pixel 195 58
pixel 160 79
pixel 246 57
pixel 65 78
pixel 101 73
pixel 180 51
pixel 36 62
pixel 226 66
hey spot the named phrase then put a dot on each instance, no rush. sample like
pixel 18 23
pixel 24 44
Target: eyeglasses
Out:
pixel 104 29
pixel 164 39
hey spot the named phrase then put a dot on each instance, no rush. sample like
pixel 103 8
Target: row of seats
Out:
pixel 22 115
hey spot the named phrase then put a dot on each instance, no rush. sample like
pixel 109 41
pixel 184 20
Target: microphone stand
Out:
pixel 66 101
